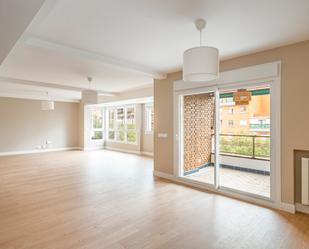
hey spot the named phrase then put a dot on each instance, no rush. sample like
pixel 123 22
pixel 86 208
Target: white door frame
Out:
pixel 251 76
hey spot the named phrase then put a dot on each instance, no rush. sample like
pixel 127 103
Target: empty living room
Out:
pixel 154 124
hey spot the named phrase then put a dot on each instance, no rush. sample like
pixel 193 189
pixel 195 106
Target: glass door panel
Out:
pixel 244 140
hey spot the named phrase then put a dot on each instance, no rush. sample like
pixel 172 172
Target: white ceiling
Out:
pixel 125 44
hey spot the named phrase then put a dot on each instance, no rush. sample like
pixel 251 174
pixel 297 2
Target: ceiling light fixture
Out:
pixel 200 63
pixel 47 105
pixel 90 97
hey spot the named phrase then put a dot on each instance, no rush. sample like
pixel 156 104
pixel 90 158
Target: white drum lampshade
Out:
pixel 201 64
pixel 90 97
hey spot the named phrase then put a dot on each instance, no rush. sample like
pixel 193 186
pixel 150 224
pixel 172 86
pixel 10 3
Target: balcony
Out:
pixel 259 126
pixel 247 146
pixel 244 162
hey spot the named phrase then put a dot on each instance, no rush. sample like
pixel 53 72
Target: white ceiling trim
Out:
pixel 147 100
pixel 53 85
pixel 41 15
pixel 22 95
pixel 106 60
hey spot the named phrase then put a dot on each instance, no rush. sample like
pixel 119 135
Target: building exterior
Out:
pixel 251 119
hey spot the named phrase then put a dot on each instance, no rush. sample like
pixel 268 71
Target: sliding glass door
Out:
pixel 244 140
pixel 225 139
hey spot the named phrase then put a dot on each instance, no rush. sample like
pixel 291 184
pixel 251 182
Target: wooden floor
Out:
pixel 104 199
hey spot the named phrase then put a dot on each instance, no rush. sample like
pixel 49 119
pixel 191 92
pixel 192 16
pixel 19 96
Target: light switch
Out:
pixel 162 135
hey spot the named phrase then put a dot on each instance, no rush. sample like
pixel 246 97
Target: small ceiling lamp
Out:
pixel 47 105
pixel 200 63
pixel 90 97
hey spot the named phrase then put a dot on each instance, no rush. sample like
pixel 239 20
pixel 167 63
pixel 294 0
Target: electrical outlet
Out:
pixel 47 144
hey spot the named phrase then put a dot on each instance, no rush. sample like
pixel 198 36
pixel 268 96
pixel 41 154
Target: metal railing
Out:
pixel 250 146
pixel 259 126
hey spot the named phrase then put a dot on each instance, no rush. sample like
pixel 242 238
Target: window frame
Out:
pixel 115 128
pixel 148 116
pixel 243 122
pixel 92 129
pixel 231 111
pixel 243 109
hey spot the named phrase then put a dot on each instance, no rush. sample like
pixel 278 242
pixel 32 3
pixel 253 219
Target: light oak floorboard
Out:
pixel 105 199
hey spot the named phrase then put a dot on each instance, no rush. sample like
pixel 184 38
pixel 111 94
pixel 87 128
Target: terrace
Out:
pixel 244 164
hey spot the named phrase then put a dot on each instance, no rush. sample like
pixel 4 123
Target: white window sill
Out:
pixel 148 132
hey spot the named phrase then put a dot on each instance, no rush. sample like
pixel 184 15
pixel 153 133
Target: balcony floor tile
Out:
pixel 254 183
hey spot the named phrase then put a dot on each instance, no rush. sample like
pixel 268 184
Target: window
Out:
pixel 231 123
pixel 97 127
pixel 130 125
pixel 243 122
pixel 149 119
pixel 243 109
pixel 231 110
pixel 226 101
pixel 111 124
pixel 122 124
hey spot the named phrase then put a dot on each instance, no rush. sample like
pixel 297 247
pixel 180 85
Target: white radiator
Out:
pixel 305 181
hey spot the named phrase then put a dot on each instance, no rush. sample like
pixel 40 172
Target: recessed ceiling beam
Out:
pixel 53 85
pixel 15 16
pixel 106 60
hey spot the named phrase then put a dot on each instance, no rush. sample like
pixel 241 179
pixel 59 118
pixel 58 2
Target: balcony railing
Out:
pixel 250 146
pixel 259 126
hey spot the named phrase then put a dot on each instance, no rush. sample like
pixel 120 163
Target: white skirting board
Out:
pixel 22 152
pixel 302 208
pixel 280 206
pixel 92 148
pixel 145 153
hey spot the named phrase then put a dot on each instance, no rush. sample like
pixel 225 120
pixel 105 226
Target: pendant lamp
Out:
pixel 200 63
pixel 47 105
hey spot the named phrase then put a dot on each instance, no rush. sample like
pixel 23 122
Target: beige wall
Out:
pixel 163 107
pixel 294 105
pixel 24 126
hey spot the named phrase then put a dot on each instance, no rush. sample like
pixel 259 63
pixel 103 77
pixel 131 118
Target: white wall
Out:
pixel 242 162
